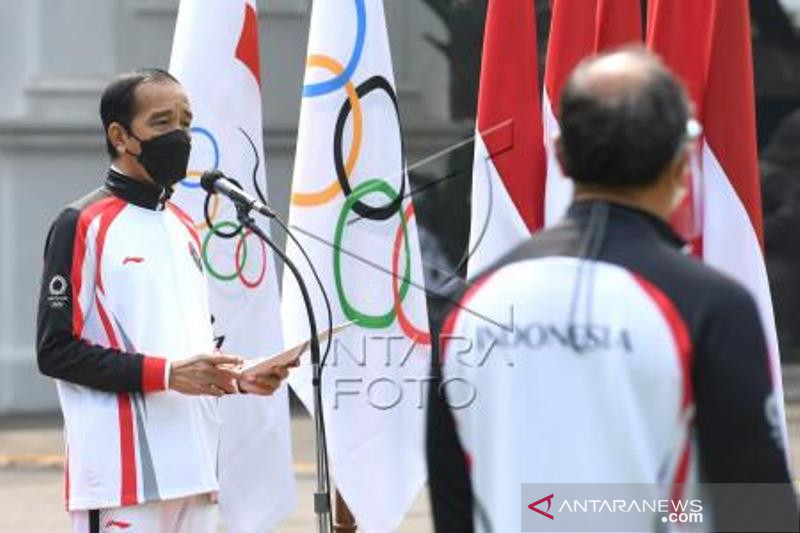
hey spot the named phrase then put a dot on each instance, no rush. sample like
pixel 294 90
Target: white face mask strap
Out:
pixel 694 132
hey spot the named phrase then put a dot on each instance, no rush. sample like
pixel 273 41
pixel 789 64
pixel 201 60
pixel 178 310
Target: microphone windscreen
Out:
pixel 208 178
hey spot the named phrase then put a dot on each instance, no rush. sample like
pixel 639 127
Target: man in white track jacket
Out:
pixel 124 326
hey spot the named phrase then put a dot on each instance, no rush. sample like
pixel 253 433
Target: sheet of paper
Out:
pixel 262 365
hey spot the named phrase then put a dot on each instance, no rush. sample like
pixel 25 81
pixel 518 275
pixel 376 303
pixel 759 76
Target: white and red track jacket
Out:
pixel 123 292
pixel 598 352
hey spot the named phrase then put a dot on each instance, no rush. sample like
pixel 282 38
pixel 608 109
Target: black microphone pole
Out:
pixel 322 497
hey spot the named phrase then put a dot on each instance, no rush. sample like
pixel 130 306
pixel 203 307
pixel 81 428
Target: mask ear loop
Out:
pixel 130 133
pixel 694 132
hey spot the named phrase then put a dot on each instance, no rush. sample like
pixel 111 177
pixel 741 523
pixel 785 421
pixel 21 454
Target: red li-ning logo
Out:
pixel 549 500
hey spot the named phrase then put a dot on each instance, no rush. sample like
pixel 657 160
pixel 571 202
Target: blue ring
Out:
pixel 333 84
pixel 203 131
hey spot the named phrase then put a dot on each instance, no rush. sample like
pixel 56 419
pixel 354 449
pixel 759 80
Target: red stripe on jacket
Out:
pixel 85 219
pixel 187 222
pixel 683 345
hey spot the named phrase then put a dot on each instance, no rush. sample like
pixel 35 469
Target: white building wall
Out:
pixel 55 58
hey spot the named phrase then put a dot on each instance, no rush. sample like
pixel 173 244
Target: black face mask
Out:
pixel 165 157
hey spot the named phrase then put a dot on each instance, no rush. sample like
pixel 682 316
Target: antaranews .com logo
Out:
pixel 671 511
pixel 658 507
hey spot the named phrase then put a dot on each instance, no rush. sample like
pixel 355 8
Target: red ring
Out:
pixel 245 281
pixel 417 335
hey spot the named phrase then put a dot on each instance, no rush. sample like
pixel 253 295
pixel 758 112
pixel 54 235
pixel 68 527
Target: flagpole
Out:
pixel 344 521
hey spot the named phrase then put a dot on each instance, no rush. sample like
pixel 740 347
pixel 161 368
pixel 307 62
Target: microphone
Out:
pixel 216 181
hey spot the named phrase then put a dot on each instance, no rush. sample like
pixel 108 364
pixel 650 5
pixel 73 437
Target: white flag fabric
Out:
pixel 215 56
pixel 352 212
pixel 509 159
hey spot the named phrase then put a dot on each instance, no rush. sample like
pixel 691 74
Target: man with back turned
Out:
pixel 627 361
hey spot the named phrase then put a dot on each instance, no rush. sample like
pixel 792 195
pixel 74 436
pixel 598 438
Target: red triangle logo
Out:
pixel 549 500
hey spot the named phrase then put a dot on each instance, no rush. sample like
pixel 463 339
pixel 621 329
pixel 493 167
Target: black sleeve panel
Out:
pixel 60 353
pixel 737 418
pixel 448 476
pixel 738 422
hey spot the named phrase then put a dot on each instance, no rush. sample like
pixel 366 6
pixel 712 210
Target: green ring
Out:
pixel 363 319
pixel 223 277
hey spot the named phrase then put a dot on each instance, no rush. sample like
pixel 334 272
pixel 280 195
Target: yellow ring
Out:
pixel 308 199
pixel 202 226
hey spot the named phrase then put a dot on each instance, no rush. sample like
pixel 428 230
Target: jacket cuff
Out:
pixel 155 372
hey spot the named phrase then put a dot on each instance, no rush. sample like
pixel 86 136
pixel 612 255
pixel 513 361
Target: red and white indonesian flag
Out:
pixel 215 56
pixel 578 28
pixel 509 159
pixel 351 210
pixel 708 45
pixel 517 184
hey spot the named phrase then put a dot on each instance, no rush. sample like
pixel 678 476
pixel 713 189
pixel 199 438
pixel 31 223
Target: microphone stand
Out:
pixel 322 502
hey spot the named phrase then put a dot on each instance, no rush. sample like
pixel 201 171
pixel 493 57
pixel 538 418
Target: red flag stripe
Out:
pixel 247 48
pixel 730 100
pixel 509 91
pixel 708 45
pixel 572 31
pixel 680 33
pixel 579 28
pixel 617 22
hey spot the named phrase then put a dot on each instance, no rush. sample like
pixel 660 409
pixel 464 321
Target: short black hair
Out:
pixel 118 103
pixel 623 138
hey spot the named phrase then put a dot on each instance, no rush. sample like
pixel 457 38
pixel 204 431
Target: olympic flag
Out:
pixel 351 210
pixel 215 56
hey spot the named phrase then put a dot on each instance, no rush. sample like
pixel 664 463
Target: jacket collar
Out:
pixel 631 215
pixel 135 192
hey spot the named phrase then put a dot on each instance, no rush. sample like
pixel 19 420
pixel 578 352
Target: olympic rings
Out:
pixel 363 319
pixel 328 193
pixel 214 228
pixel 194 173
pixel 202 226
pixel 339 81
pixel 211 209
pixel 366 211
pixel 423 337
pixel 239 264
pixel 345 165
pixel 242 246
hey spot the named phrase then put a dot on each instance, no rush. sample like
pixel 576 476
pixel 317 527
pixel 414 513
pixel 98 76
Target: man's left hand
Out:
pixel 264 384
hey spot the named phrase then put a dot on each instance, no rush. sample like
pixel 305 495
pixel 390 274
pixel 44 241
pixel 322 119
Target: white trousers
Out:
pixel 194 514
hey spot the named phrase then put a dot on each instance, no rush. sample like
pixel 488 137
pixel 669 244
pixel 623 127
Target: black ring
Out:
pixel 207 215
pixel 374 213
